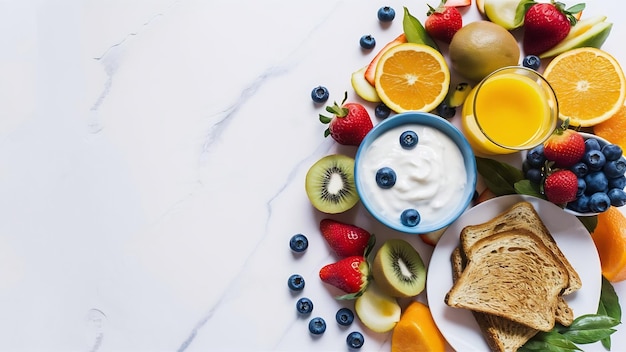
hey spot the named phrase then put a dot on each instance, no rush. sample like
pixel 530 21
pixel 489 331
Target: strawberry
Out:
pixel 443 22
pixel 345 239
pixel 351 275
pixel 560 186
pixel 547 24
pixel 349 124
pixel 565 147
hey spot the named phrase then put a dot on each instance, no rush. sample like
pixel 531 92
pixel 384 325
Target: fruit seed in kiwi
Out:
pixel 330 184
pixel 398 269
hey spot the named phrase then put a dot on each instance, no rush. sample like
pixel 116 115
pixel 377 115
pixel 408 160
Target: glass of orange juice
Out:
pixel 512 109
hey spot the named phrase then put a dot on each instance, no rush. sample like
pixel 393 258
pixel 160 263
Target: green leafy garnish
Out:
pixel 415 32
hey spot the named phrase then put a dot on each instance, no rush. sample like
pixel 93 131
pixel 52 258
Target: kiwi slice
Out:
pixel 398 269
pixel 330 184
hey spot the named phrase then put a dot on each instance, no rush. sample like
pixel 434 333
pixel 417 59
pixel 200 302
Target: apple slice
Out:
pixel 370 72
pixel 432 238
pixel 458 3
pixel 377 310
pixel 480 5
pixel 589 32
pixel 362 87
pixel 504 13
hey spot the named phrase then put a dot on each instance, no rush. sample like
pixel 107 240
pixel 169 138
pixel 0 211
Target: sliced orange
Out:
pixel 610 239
pixel 416 331
pixel 589 84
pixel 613 129
pixel 412 77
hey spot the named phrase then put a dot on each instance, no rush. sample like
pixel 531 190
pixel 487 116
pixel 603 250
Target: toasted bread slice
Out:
pixel 511 274
pixel 521 215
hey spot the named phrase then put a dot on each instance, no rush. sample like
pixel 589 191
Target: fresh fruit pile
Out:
pixel 584 174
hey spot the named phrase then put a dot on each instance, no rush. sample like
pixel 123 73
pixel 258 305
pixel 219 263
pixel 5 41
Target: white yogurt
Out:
pixel 430 178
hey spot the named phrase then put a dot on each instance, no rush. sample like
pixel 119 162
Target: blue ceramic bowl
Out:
pixel 422 172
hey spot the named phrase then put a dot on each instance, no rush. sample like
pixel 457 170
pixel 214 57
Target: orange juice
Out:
pixel 509 111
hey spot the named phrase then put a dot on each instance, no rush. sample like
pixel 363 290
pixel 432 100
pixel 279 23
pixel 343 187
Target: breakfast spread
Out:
pixel 509 271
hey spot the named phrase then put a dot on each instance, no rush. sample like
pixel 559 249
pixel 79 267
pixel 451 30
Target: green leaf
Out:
pixel 609 301
pixel 528 188
pixel 522 8
pixel 550 341
pixel 590 222
pixel 415 32
pixel 590 328
pixel 499 177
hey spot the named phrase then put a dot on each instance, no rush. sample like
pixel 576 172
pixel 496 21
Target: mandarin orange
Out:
pixel 613 129
pixel 416 331
pixel 610 239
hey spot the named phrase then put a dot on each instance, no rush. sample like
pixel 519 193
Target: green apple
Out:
pixel 362 87
pixel 377 310
pixel 504 13
pixel 589 32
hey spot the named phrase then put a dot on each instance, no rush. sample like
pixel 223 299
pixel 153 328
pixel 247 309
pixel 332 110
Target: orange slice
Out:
pixel 412 77
pixel 610 239
pixel 589 85
pixel 416 331
pixel 613 129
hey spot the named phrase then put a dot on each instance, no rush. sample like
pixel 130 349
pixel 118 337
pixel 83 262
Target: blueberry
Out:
pixel 580 169
pixel 385 177
pixel 581 204
pixel 298 243
pixel 534 175
pixel 320 94
pixel 386 14
pixel 582 186
pixel 304 306
pixel 296 282
pixel 408 139
pixel 535 156
pixel 617 197
pixel 344 316
pixel 599 202
pixel 355 340
pixel 594 159
pixel 367 41
pixel 382 111
pixel 618 182
pixel 612 152
pixel 317 326
pixel 446 111
pixel 592 144
pixel 615 168
pixel 596 182
pixel 410 217
pixel 531 61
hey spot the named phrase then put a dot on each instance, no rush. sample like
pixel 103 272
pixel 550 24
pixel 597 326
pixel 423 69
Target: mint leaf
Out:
pixel 590 222
pixel 499 177
pixel 415 32
pixel 528 188
pixel 609 305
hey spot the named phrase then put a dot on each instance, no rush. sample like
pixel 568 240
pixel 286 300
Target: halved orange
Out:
pixel 613 129
pixel 416 331
pixel 412 77
pixel 610 239
pixel 589 84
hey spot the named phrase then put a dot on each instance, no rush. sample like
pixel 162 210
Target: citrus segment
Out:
pixel 613 129
pixel 610 239
pixel 416 331
pixel 589 85
pixel 412 77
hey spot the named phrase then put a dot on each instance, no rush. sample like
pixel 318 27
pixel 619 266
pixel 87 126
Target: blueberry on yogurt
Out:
pixel 410 217
pixel 385 177
pixel 408 139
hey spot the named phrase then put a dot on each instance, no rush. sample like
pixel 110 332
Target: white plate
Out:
pixel 458 325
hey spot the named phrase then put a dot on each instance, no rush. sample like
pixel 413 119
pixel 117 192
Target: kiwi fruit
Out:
pixel 398 269
pixel 330 184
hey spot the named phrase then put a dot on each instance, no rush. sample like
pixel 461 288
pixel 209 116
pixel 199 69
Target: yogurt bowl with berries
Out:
pixel 415 172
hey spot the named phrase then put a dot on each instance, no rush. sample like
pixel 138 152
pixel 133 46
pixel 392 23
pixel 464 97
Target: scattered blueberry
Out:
pixel 592 144
pixel 344 316
pixel 386 14
pixel 534 175
pixel 612 152
pixel 296 282
pixel 615 168
pixel 367 41
pixel 382 111
pixel 617 197
pixel 531 61
pixel 582 186
pixel 536 157
pixel 355 340
pixel 385 177
pixel 446 111
pixel 617 182
pixel 317 326
pixel 595 159
pixel 599 202
pixel 580 169
pixel 408 139
pixel 298 243
pixel 596 182
pixel 410 217
pixel 304 305
pixel 320 94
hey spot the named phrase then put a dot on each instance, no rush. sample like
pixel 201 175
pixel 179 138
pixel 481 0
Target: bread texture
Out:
pixel 521 215
pixel 513 275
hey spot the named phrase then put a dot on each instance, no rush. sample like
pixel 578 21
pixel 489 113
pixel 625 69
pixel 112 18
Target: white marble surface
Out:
pixel 152 160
